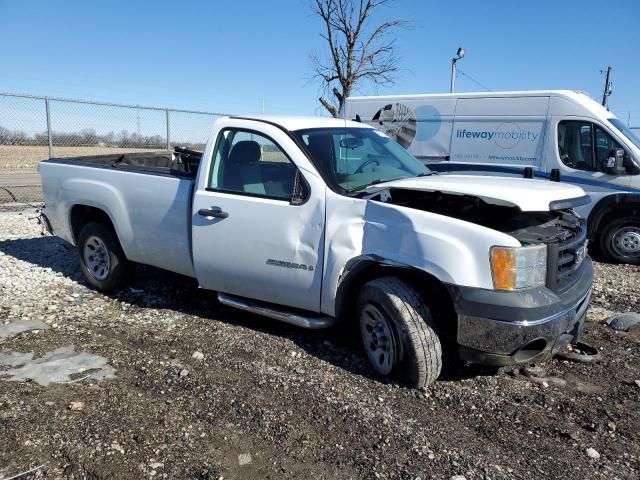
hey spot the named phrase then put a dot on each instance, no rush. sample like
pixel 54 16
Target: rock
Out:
pixel 76 406
pixel 534 371
pixel 623 321
pixel 592 453
pixel 244 459
pixel 156 465
pixel 117 447
pixel 184 372
pixel 637 382
pixel 199 356
pixel 458 477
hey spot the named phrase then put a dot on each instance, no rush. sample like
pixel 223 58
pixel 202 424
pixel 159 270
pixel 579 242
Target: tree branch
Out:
pixel 357 50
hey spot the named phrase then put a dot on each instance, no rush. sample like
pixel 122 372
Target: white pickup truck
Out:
pixel 313 220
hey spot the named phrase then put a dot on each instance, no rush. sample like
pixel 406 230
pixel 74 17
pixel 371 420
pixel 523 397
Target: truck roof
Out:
pixel 292 123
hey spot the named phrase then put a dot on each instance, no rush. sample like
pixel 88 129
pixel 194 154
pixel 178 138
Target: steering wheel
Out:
pixel 365 163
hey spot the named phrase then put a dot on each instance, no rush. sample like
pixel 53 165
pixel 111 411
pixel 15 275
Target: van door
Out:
pixel 579 150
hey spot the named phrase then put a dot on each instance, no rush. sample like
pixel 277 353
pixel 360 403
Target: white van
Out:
pixel 558 135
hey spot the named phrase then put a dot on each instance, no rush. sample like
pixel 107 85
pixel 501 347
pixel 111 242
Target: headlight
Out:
pixel 514 268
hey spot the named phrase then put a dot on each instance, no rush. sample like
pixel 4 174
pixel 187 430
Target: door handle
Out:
pixel 213 212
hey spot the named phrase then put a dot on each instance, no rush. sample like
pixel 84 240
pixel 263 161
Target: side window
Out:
pixel 575 144
pixel 584 146
pixel 250 163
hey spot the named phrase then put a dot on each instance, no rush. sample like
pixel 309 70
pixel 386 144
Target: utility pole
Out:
pixel 607 89
pixel 454 61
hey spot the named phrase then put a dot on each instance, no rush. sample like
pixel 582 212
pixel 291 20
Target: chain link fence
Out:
pixel 36 128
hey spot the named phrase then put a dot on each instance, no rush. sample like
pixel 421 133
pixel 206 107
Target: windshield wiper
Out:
pixel 427 174
pixel 371 184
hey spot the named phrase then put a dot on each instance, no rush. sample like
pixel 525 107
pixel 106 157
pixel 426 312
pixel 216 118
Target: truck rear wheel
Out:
pixel 398 332
pixel 620 241
pixel 103 262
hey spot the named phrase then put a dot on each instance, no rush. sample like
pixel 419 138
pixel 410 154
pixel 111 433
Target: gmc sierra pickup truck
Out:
pixel 312 221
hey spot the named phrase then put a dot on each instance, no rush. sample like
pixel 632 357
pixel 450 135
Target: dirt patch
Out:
pixel 265 400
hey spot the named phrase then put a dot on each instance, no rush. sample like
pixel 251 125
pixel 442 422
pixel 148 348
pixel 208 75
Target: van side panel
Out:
pixel 421 125
pixel 505 132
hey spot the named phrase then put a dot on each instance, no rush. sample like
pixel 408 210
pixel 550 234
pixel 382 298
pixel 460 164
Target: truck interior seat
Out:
pixel 243 173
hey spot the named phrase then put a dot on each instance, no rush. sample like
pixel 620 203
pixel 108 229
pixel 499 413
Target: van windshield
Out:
pixel 351 159
pixel 626 131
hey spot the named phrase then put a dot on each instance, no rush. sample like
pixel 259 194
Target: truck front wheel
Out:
pixel 103 262
pixel 398 332
pixel 620 241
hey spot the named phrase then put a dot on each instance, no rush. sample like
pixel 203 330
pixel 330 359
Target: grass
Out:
pixel 24 159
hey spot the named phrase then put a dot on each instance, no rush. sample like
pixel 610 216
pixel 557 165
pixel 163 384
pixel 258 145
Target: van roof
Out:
pixel 576 96
pixel 506 93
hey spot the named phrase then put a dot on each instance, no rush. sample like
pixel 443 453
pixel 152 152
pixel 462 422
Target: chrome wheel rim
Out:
pixel 96 258
pixel 626 242
pixel 378 339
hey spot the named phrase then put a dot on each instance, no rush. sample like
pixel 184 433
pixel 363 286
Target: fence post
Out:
pixel 49 135
pixel 168 131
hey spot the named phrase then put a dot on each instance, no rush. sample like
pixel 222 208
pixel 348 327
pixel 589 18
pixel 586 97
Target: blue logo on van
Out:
pixel 429 122
pixel 506 136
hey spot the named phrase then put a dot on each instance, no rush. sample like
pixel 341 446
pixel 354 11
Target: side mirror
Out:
pixel 615 162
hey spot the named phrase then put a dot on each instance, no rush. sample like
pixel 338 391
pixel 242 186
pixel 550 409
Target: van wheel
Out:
pixel 398 333
pixel 620 241
pixel 102 260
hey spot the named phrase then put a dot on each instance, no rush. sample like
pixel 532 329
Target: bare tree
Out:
pixel 357 50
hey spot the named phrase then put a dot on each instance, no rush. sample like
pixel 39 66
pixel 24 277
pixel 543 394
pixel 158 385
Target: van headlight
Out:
pixel 514 268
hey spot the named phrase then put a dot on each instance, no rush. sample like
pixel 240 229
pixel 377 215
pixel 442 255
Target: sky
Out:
pixel 235 56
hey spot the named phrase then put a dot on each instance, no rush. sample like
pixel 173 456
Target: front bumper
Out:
pixel 505 328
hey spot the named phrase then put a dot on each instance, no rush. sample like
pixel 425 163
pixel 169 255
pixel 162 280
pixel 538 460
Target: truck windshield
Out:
pixel 351 159
pixel 626 131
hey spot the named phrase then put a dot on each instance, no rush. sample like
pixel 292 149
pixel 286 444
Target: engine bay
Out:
pixel 527 227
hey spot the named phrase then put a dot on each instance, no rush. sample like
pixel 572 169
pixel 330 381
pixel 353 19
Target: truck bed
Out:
pixel 180 163
pixel 146 195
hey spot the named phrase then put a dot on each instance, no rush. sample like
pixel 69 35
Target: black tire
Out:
pixel 118 269
pixel 410 336
pixel 618 247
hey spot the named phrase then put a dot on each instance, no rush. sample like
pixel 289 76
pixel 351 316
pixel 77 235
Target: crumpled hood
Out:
pixel 527 194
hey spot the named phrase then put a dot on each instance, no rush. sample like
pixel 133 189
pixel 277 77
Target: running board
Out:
pixel 266 310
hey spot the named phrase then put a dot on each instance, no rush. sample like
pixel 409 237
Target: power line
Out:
pixel 475 81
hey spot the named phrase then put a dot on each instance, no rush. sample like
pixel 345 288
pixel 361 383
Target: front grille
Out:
pixel 563 265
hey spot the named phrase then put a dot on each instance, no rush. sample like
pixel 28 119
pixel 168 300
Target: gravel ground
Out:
pixel 174 385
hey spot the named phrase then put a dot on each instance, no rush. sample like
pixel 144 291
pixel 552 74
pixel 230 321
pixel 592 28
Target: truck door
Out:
pixel 258 219
pixel 580 152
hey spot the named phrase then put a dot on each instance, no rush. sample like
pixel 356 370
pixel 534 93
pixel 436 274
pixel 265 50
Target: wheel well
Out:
pixel 610 209
pixel 429 287
pixel 83 214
